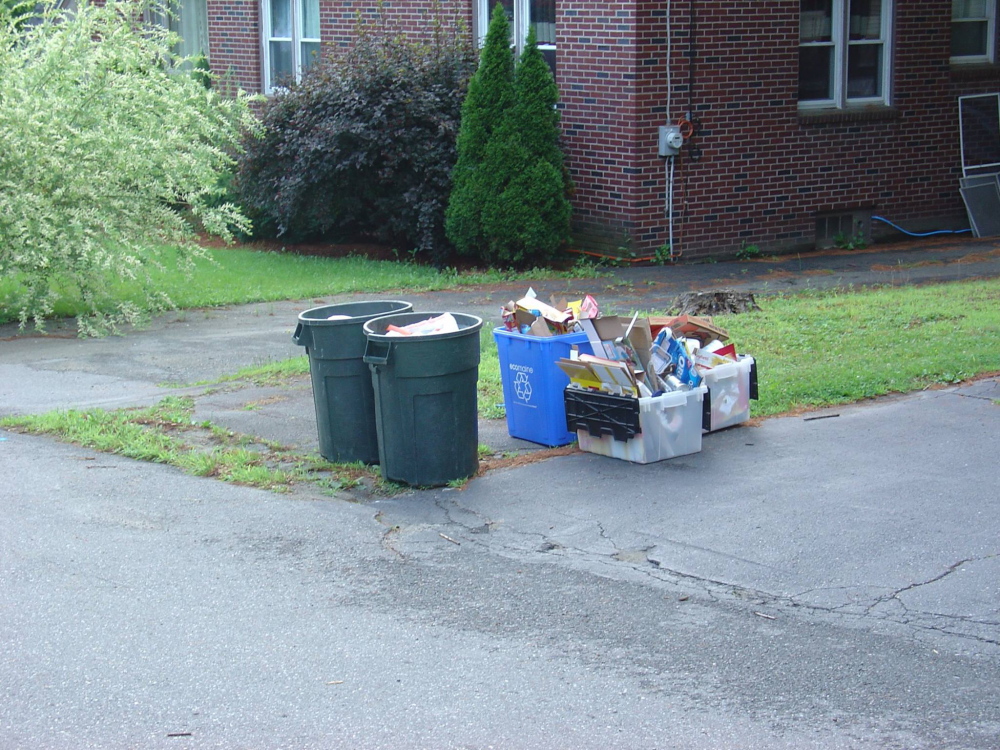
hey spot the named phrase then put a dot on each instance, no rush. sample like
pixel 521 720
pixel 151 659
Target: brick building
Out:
pixel 808 116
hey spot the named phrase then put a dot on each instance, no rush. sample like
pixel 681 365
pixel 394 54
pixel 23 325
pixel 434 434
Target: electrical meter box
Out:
pixel 670 140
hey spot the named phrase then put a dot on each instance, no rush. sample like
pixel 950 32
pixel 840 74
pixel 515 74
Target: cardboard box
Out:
pixel 669 426
pixel 684 326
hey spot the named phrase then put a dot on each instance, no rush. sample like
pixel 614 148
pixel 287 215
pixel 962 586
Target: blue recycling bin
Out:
pixel 533 384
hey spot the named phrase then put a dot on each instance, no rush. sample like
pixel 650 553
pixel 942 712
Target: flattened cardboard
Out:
pixel 641 339
pixel 540 328
pixel 690 326
pixel 597 343
pixel 610 327
pixel 548 312
pixel 612 372
pixel 579 373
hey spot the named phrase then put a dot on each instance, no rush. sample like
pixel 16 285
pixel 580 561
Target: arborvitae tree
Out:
pixel 526 214
pixel 487 104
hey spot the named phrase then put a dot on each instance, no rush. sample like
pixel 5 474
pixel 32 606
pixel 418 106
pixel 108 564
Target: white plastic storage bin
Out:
pixel 730 388
pixel 670 426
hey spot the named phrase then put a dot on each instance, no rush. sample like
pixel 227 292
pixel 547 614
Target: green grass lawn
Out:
pixel 835 347
pixel 822 348
pixel 240 274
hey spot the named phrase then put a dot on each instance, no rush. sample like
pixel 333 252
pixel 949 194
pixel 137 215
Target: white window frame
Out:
pixel 519 27
pixel 841 44
pixel 990 19
pixel 297 39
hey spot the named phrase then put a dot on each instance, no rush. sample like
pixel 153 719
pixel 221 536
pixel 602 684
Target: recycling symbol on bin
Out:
pixel 522 386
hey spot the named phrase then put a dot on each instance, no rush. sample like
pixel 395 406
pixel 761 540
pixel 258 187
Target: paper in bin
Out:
pixel 444 323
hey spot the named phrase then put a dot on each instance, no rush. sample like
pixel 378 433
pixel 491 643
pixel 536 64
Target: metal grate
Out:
pixel 842 227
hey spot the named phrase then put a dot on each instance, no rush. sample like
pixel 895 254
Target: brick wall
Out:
pixel 766 171
pixel 757 171
pixel 235 35
pixel 234 41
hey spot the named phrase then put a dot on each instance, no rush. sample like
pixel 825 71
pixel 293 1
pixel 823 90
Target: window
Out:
pixel 189 20
pixel 972 31
pixel 523 14
pixel 291 39
pixel 844 52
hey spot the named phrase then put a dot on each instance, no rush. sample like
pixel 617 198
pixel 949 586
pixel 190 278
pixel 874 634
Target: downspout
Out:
pixel 669 175
pixel 671 138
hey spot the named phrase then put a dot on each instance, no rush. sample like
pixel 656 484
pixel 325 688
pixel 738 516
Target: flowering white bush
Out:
pixel 108 153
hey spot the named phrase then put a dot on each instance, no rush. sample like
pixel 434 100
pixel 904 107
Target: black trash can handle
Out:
pixel 302 335
pixel 377 353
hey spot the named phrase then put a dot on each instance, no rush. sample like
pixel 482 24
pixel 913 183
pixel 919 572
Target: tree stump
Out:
pixel 719 302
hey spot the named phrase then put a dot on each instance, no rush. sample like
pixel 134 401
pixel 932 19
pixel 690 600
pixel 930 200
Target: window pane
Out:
pixel 816 20
pixel 191 22
pixel 815 73
pixel 550 57
pixel 866 19
pixel 543 18
pixel 281 62
pixel 310 53
pixel 864 71
pixel 508 7
pixel 281 18
pixel 968 39
pixel 968 9
pixel 310 19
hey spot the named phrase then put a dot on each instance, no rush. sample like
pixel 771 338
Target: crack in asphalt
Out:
pixel 976 396
pixel 604 535
pixel 714 590
pixel 391 533
pixel 894 595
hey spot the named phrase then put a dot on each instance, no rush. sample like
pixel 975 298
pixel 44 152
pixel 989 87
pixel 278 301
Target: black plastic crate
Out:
pixel 602 414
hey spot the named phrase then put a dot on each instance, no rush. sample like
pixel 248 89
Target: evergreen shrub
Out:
pixel 510 198
pixel 489 99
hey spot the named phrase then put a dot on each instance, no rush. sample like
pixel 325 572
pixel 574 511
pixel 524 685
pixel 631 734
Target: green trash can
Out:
pixel 341 382
pixel 426 408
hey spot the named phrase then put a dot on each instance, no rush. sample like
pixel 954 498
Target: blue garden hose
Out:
pixel 921 234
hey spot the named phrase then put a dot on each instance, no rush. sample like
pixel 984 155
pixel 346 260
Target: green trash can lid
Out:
pixel 352 312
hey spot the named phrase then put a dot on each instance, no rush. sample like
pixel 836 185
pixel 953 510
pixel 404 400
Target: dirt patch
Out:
pixel 978 257
pixel 252 405
pixel 493 463
pixel 882 267
pixel 778 275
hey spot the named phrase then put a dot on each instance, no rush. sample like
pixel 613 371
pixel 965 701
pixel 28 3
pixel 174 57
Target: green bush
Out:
pixel 489 99
pixel 509 203
pixel 102 144
pixel 365 143
pixel 526 217
pixel 16 12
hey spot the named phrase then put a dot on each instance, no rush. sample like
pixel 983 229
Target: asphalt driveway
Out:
pixel 828 583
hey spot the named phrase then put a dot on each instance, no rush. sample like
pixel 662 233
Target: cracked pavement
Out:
pixel 858 518
pixel 830 583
